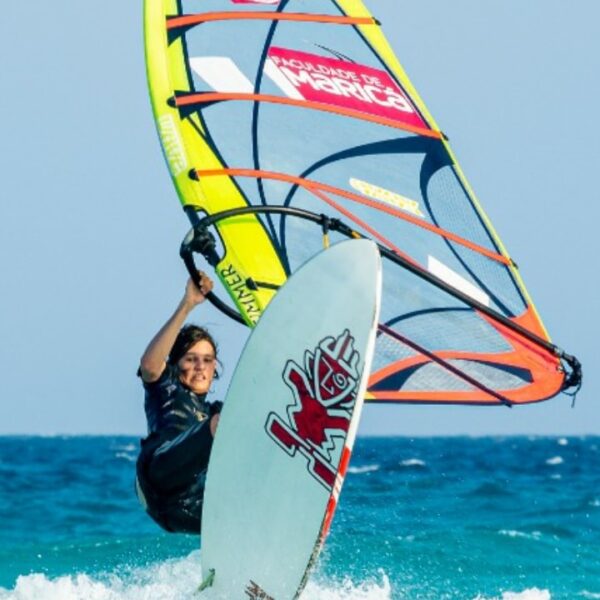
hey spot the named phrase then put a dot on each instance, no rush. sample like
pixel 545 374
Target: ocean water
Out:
pixel 511 518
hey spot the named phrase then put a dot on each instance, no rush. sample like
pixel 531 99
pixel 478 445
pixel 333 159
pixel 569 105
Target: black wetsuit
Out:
pixel 171 467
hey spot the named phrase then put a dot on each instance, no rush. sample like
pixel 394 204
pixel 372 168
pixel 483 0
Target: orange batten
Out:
pixel 208 97
pixel 191 20
pixel 315 185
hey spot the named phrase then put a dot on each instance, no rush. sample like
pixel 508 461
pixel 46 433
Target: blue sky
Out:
pixel 90 224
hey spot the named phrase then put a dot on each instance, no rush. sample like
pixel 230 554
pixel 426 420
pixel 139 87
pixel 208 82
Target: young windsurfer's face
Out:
pixel 197 367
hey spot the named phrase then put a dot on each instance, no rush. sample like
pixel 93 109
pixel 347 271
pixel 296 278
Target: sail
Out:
pixel 290 124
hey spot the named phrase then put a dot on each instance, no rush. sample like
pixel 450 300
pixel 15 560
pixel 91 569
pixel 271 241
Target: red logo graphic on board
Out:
pixel 255 592
pixel 324 393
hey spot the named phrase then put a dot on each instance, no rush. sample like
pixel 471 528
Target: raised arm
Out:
pixel 153 360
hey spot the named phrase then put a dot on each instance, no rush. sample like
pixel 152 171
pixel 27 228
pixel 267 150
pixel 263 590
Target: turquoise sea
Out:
pixel 511 518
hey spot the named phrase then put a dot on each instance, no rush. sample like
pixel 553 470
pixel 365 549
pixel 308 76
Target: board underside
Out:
pixel 288 425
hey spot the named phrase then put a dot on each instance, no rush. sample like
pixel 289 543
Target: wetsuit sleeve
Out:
pixel 215 408
pixel 167 377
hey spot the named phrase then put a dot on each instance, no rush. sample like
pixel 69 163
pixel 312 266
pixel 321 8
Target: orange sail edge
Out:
pixel 542 370
pixel 544 384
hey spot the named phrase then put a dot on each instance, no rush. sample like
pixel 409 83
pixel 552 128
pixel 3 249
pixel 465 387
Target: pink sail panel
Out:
pixel 255 1
pixel 315 78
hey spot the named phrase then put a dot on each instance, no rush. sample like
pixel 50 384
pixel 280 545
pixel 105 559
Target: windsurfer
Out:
pixel 171 467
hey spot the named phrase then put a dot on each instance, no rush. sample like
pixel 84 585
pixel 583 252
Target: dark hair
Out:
pixel 186 338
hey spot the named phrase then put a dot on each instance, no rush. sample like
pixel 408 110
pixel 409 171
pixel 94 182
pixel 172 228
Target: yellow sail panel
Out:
pixel 186 146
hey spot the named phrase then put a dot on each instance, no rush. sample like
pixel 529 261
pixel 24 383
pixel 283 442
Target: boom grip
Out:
pixel 190 264
pixel 204 244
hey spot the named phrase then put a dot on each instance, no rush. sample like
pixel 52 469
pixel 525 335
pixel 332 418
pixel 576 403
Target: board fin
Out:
pixel 208 581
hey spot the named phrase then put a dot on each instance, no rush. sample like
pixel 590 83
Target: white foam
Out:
pixel 513 533
pixel 348 590
pixel 528 594
pixel 126 456
pixel 563 442
pixel 174 579
pixel 363 469
pixel 555 460
pixel 413 462
pixel 126 448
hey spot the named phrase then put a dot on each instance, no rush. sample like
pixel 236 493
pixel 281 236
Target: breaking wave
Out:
pixel 173 579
